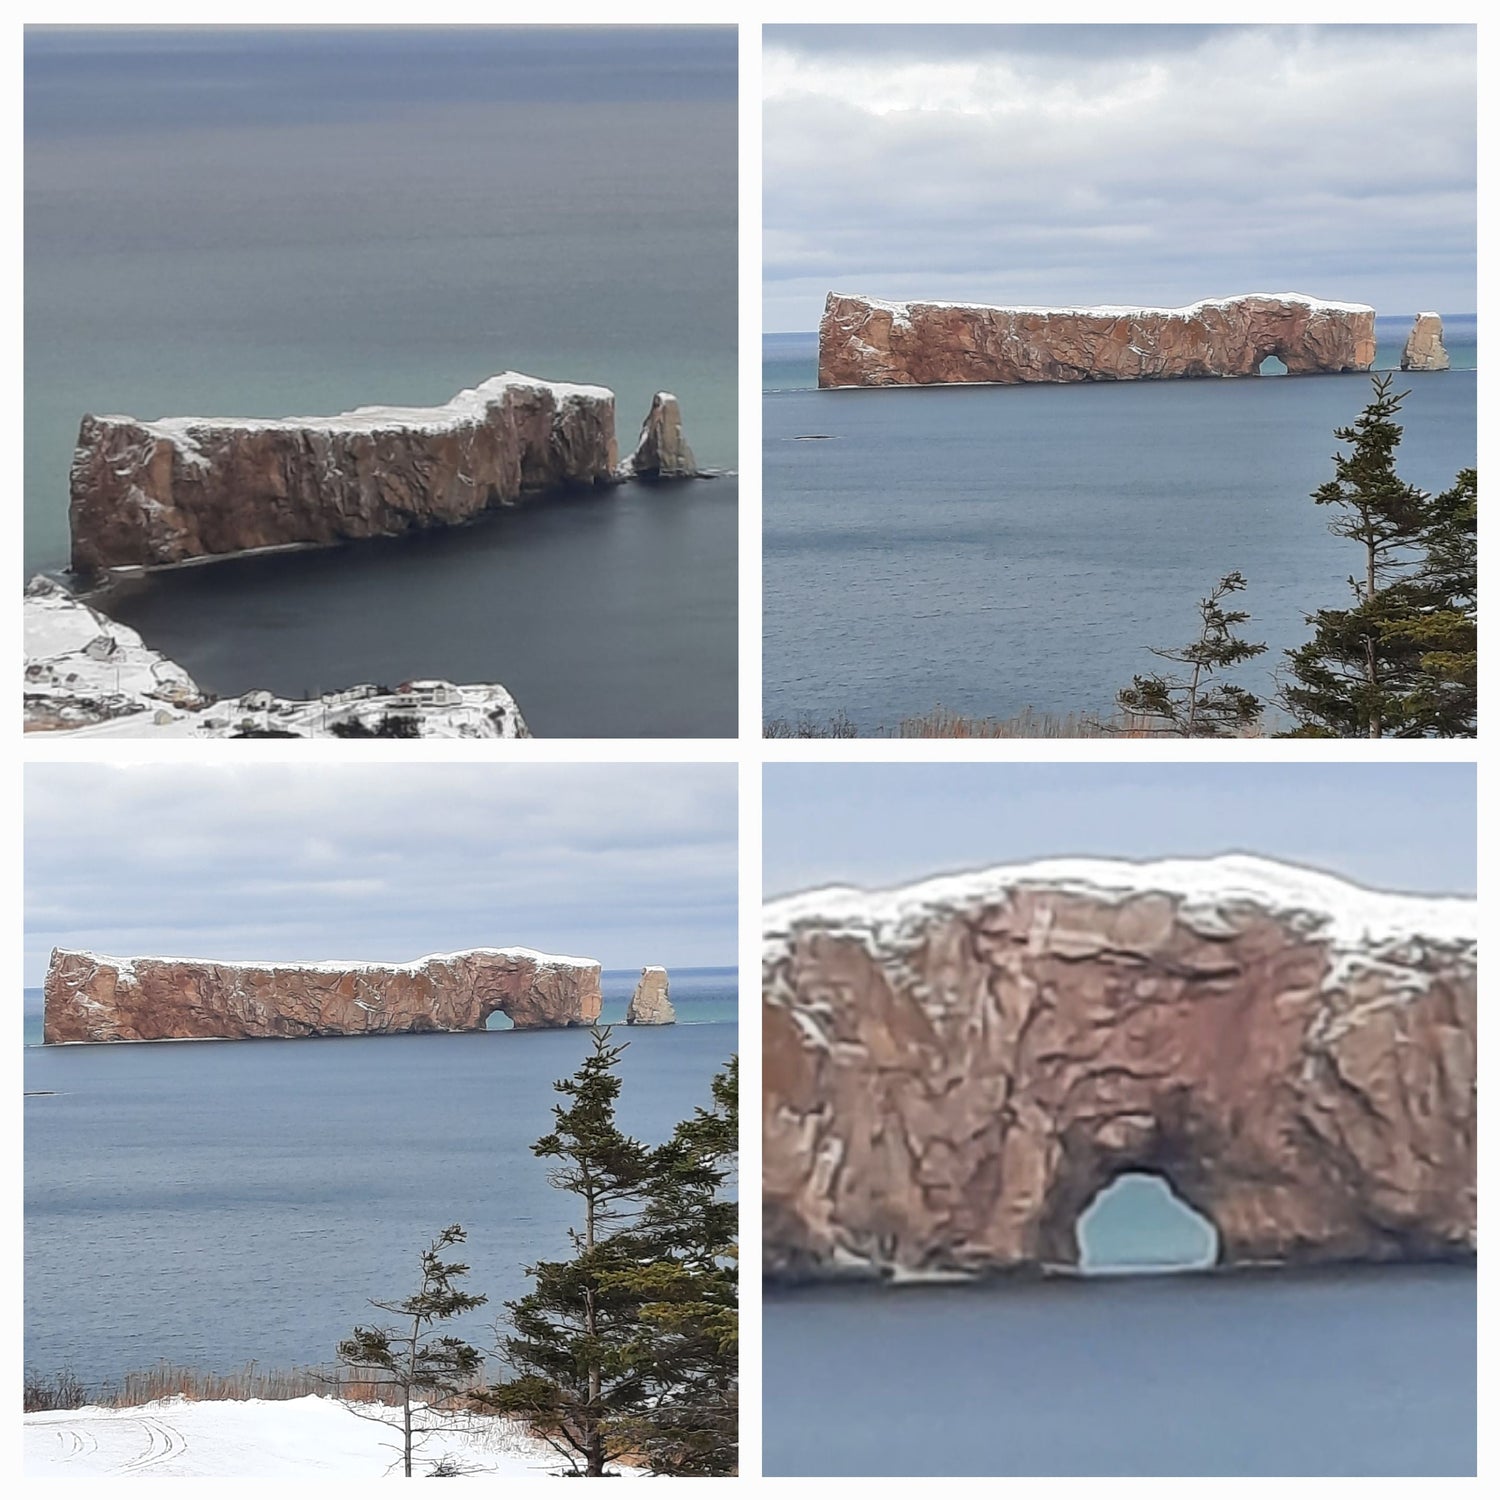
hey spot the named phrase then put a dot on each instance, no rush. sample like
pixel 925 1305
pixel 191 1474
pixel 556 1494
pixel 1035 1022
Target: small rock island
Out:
pixel 91 998
pixel 864 341
pixel 1424 345
pixel 651 1004
pixel 953 1070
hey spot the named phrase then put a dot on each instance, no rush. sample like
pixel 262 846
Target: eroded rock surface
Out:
pixel 663 451
pixel 149 493
pixel 651 1004
pixel 1424 344
pixel 863 341
pixel 91 998
pixel 954 1070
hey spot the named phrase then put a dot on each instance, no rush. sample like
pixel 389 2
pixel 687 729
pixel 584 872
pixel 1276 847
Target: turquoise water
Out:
pixel 210 1203
pixel 263 222
pixel 993 549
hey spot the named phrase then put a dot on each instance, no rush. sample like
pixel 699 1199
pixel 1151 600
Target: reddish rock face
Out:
pixel 1424 344
pixel 863 341
pixel 147 493
pixel 953 1072
pixel 651 1004
pixel 89 998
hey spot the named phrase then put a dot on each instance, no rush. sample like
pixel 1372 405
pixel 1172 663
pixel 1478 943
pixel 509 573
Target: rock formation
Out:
pixel 90 998
pixel 954 1070
pixel 651 1005
pixel 662 452
pixel 864 341
pixel 1424 344
pixel 88 675
pixel 151 493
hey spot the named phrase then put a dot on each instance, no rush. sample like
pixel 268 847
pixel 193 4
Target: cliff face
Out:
pixel 863 341
pixel 663 452
pixel 147 493
pixel 1424 344
pixel 89 998
pixel 953 1071
pixel 651 1004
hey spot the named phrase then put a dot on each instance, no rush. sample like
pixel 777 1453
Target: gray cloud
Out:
pixel 1119 164
pixel 627 864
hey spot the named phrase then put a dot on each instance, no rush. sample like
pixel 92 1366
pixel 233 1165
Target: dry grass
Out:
pixel 64 1391
pixel 943 724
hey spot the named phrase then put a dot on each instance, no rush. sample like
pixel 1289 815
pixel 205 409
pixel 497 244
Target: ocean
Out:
pixel 994 549
pixel 262 222
pixel 213 1203
pixel 1348 1372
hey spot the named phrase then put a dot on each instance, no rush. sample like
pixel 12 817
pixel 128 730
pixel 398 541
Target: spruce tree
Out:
pixel 407 1361
pixel 575 1376
pixel 684 1252
pixel 1193 705
pixel 1357 675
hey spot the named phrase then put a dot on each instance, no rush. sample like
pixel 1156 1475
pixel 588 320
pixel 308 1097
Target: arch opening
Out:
pixel 1271 365
pixel 497 1020
pixel 1137 1224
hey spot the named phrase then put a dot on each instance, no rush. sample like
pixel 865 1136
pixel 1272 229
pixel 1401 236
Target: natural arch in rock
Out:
pixel 1139 1222
pixel 953 1071
pixel 1271 364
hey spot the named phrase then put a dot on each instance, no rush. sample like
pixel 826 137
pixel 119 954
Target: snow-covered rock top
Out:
pixel 466 408
pixel 556 961
pixel 1194 309
pixel 1354 920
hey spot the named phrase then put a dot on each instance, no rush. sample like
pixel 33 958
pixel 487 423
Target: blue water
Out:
pixel 1339 1373
pixel 211 1203
pixel 257 222
pixel 992 549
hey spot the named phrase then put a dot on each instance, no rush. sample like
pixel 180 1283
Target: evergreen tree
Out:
pixel 685 1251
pixel 575 1376
pixel 1358 674
pixel 419 1369
pixel 1193 705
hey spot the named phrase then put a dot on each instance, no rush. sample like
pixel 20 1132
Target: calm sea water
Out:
pixel 997 548
pixel 210 1203
pixel 1340 1373
pixel 262 222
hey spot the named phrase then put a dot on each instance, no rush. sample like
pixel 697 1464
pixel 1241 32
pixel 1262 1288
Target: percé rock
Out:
pixel 651 1004
pixel 150 493
pixel 1424 344
pixel 89 676
pixel 90 998
pixel 863 341
pixel 954 1070
pixel 663 452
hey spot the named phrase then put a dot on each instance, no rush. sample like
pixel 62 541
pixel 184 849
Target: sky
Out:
pixel 1398 827
pixel 1150 165
pixel 630 865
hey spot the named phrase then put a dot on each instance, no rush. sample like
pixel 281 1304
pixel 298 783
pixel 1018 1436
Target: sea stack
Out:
pixel 663 452
pixel 954 1070
pixel 91 998
pixel 865 341
pixel 650 1005
pixel 1424 344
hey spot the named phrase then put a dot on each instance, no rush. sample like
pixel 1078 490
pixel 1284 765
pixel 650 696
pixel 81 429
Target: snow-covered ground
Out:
pixel 89 676
pixel 311 1437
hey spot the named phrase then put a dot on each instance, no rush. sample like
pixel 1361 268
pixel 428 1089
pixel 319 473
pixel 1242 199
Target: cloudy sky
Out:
pixel 1125 164
pixel 627 864
pixel 1401 827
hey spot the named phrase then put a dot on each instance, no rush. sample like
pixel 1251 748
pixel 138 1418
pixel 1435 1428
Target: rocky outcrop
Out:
pixel 651 1004
pixel 90 998
pixel 953 1071
pixel 88 676
pixel 152 493
pixel 1424 344
pixel 663 452
pixel 863 341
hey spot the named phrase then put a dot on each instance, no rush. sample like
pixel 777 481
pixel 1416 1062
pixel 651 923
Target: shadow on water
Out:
pixel 606 613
